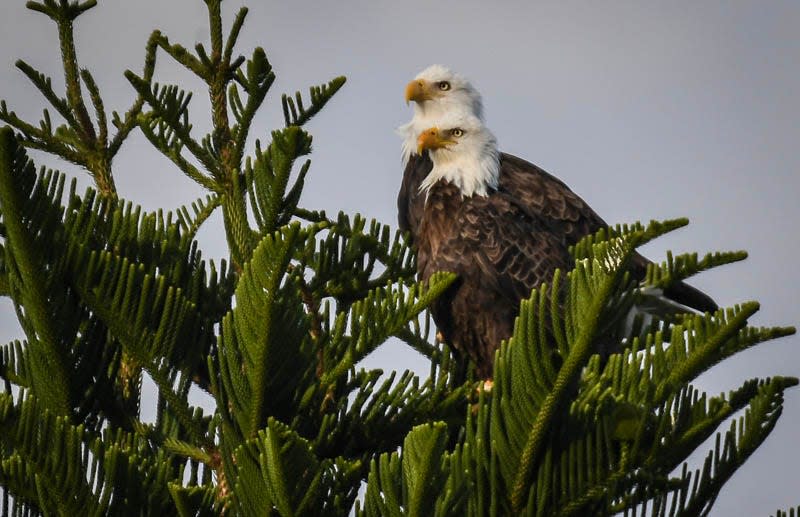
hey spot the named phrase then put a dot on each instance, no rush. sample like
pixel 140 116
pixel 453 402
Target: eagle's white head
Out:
pixel 463 151
pixel 436 91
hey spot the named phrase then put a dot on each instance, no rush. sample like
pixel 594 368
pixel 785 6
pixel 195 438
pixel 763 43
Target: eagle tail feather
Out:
pixel 692 297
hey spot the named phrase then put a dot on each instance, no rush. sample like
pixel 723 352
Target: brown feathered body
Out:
pixel 499 254
pixel 501 246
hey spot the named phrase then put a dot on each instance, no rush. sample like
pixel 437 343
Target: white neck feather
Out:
pixel 474 168
pixel 426 115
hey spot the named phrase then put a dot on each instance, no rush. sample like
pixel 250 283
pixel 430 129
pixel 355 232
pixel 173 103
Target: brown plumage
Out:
pixel 499 254
pixel 502 246
pixel 537 192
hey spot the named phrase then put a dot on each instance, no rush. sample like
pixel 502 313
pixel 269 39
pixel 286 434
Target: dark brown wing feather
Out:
pixel 546 197
pixel 500 255
pixel 551 200
pixel 410 203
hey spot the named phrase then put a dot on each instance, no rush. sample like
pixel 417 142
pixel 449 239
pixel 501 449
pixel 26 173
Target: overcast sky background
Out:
pixel 648 111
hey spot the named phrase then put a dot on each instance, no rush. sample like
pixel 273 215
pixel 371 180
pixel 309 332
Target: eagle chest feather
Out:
pixel 473 314
pixel 438 225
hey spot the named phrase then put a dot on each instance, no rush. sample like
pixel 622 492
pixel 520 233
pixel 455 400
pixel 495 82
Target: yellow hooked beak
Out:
pixel 418 90
pixel 431 139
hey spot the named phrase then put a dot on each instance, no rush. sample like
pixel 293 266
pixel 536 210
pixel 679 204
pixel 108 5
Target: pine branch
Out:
pixel 182 56
pixel 793 512
pixel 266 316
pixel 124 127
pixel 170 109
pixel 79 141
pixel 269 175
pixel 740 442
pixel 43 138
pixel 61 9
pixel 57 466
pixel 377 415
pixel 64 15
pixel 706 353
pixel 97 102
pixel 684 266
pixel 295 114
pixel 194 501
pixel 567 374
pixel 413 483
pixel 44 85
pixel 382 313
pixel 347 258
pixel 48 360
pixel 279 472
pixel 14 365
pixel 202 208
pixel 256 84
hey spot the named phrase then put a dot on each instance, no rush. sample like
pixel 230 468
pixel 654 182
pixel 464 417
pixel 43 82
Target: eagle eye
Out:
pixel 444 85
pixel 457 132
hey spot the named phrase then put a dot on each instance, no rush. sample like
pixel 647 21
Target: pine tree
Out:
pixel 107 293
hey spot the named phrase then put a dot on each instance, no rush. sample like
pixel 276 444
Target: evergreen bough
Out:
pixel 106 293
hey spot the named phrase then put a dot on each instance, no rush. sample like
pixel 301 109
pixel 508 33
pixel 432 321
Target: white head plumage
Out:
pixel 463 151
pixel 436 91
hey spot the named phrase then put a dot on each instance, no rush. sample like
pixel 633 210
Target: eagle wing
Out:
pixel 499 242
pixel 548 199
pixel 410 202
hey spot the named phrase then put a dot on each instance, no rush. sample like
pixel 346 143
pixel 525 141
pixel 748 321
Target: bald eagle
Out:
pixel 502 224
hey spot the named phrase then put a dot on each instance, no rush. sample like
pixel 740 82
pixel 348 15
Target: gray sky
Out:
pixel 646 111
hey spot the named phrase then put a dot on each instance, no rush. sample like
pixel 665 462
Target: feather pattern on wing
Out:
pixel 499 252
